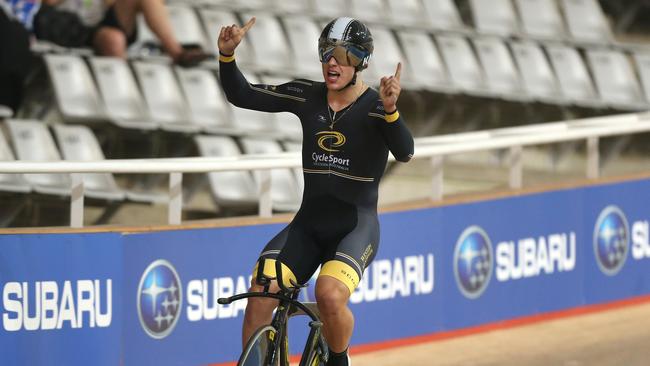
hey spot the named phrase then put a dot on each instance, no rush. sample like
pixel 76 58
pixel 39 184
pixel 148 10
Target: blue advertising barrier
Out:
pixel 438 269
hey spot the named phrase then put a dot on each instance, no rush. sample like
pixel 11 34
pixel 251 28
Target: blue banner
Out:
pixel 145 298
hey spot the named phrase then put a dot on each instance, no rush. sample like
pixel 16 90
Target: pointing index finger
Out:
pixel 398 72
pixel 248 24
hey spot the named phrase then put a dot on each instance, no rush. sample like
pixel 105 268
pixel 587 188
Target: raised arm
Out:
pixel 266 98
pixel 397 135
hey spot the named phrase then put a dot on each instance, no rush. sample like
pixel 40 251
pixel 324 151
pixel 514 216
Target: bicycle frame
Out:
pixel 288 306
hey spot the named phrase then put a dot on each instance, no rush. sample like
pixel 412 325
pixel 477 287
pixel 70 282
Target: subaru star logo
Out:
pixel 473 262
pixel 159 299
pixel 611 240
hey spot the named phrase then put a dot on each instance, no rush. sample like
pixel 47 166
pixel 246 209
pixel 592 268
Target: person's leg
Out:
pixel 157 18
pixel 332 297
pixel 109 41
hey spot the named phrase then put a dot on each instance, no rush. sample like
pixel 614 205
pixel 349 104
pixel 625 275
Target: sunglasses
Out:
pixel 346 54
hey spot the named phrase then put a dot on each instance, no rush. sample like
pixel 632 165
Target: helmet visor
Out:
pixel 346 54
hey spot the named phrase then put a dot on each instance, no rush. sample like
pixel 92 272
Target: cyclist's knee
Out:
pixel 261 304
pixel 331 294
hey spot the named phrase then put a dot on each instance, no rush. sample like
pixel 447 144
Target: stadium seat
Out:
pixel 5 112
pixel 78 143
pixel 464 69
pixel 287 124
pixel 10 182
pixel 184 22
pixel 615 79
pixel 425 61
pixel 75 91
pixel 124 104
pixel 213 20
pixel 541 19
pixel 166 104
pixel 253 122
pixel 32 141
pixel 443 15
pixel 407 12
pixel 494 17
pixel 385 58
pixel 642 63
pixel 537 76
pixel 207 104
pixel 331 9
pixel 297 172
pixel 572 74
pixel 368 10
pixel 233 188
pixel 284 192
pixel 270 45
pixel 501 74
pixel 586 21
pixel 303 36
pixel 290 7
pixel 251 4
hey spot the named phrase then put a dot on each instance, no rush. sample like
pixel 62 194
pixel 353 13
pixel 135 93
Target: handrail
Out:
pixel 435 148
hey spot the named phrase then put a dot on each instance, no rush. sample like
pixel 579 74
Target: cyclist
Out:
pixel 348 129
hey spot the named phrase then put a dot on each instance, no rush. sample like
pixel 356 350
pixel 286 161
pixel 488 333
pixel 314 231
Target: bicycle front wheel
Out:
pixel 260 348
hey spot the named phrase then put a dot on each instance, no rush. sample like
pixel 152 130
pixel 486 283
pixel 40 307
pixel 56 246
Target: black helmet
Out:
pixel 348 40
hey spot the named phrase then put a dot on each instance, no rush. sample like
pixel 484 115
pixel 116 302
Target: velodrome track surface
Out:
pixel 611 336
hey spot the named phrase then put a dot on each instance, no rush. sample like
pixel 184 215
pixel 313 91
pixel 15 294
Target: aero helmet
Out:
pixel 347 40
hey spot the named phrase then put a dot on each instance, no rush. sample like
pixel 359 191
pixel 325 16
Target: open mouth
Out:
pixel 332 76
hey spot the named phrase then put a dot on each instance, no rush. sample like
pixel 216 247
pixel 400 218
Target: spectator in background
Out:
pixel 107 26
pixel 15 58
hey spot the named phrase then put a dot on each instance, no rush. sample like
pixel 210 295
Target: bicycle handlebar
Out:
pixel 281 297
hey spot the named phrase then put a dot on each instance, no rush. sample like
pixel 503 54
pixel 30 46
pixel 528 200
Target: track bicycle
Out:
pixel 269 345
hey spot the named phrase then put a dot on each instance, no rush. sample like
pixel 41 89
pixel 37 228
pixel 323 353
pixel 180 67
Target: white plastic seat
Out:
pixel 586 21
pixel 231 188
pixel 5 111
pixel 287 124
pixel 573 76
pixel 78 143
pixel 164 100
pixel 10 182
pixel 289 7
pixel 385 58
pixel 465 72
pixel 494 17
pixel 213 20
pixel 297 172
pixel 541 19
pixel 368 10
pixel 331 8
pixel 32 141
pixel 284 192
pixel 303 36
pixel 642 62
pixel 270 44
pixel 537 76
pixel 407 12
pixel 207 104
pixel 184 23
pixel 501 74
pixel 425 61
pixel 443 14
pixel 75 91
pixel 615 79
pixel 124 104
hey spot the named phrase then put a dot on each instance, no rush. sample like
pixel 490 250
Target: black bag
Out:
pixel 62 28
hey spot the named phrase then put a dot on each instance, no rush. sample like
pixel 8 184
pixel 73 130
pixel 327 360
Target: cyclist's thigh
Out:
pixel 354 252
pixel 296 250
